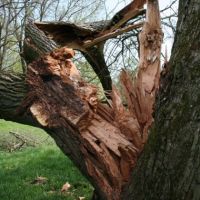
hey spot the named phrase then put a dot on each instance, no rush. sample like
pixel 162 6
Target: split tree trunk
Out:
pixel 104 142
pixel 168 167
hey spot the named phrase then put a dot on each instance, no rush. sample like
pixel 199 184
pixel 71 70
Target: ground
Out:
pixel 39 157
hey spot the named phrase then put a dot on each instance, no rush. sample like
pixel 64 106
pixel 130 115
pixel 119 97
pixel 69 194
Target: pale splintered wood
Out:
pixel 109 138
pixel 140 94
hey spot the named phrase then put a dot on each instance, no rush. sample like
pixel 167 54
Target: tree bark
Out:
pixel 106 147
pixel 37 44
pixel 104 142
pixel 169 166
pixel 89 38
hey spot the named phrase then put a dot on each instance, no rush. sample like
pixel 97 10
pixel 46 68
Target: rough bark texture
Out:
pixel 89 38
pixel 169 166
pixel 12 92
pixel 104 142
pixel 36 43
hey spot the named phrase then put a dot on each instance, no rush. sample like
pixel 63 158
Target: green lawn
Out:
pixel 19 168
pixel 34 136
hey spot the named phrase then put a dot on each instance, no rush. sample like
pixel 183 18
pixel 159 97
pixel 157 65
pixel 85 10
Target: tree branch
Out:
pixel 101 38
pixel 103 141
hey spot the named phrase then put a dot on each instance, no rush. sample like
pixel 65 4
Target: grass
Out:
pixel 34 136
pixel 19 168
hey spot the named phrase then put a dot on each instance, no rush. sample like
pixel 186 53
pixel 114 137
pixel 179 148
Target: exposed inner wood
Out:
pixel 110 138
pixel 77 36
pixel 89 38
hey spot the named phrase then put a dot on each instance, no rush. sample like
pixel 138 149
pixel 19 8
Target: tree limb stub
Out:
pixel 129 12
pixel 104 142
pixel 63 99
pixel 89 38
pixel 141 94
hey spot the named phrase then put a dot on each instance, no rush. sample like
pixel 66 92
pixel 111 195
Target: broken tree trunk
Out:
pixel 89 38
pixel 37 44
pixel 169 165
pixel 103 141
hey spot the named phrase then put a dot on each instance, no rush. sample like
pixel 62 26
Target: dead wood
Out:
pixel 89 38
pixel 131 11
pixel 113 34
pixel 108 139
pixel 62 99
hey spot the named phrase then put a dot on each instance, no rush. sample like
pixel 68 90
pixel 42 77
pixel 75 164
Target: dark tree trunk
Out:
pixel 37 44
pixel 170 165
pixel 104 142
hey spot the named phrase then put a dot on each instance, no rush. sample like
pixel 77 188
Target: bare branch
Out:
pixel 107 36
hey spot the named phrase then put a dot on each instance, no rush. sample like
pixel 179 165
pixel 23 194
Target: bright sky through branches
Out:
pixel 113 6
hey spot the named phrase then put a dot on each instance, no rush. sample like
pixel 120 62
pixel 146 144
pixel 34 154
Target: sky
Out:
pixel 110 4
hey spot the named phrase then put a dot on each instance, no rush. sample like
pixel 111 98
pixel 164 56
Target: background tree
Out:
pixel 119 52
pixel 13 15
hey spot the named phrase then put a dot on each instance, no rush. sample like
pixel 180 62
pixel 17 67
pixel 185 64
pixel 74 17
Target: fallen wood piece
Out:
pixel 40 180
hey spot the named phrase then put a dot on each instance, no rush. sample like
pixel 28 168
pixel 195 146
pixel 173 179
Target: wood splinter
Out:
pixel 104 142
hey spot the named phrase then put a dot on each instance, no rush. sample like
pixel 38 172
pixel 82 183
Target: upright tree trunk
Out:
pixel 169 167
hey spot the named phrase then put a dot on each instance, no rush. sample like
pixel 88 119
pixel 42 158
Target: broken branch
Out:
pixel 103 141
pixel 109 35
pixel 131 11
